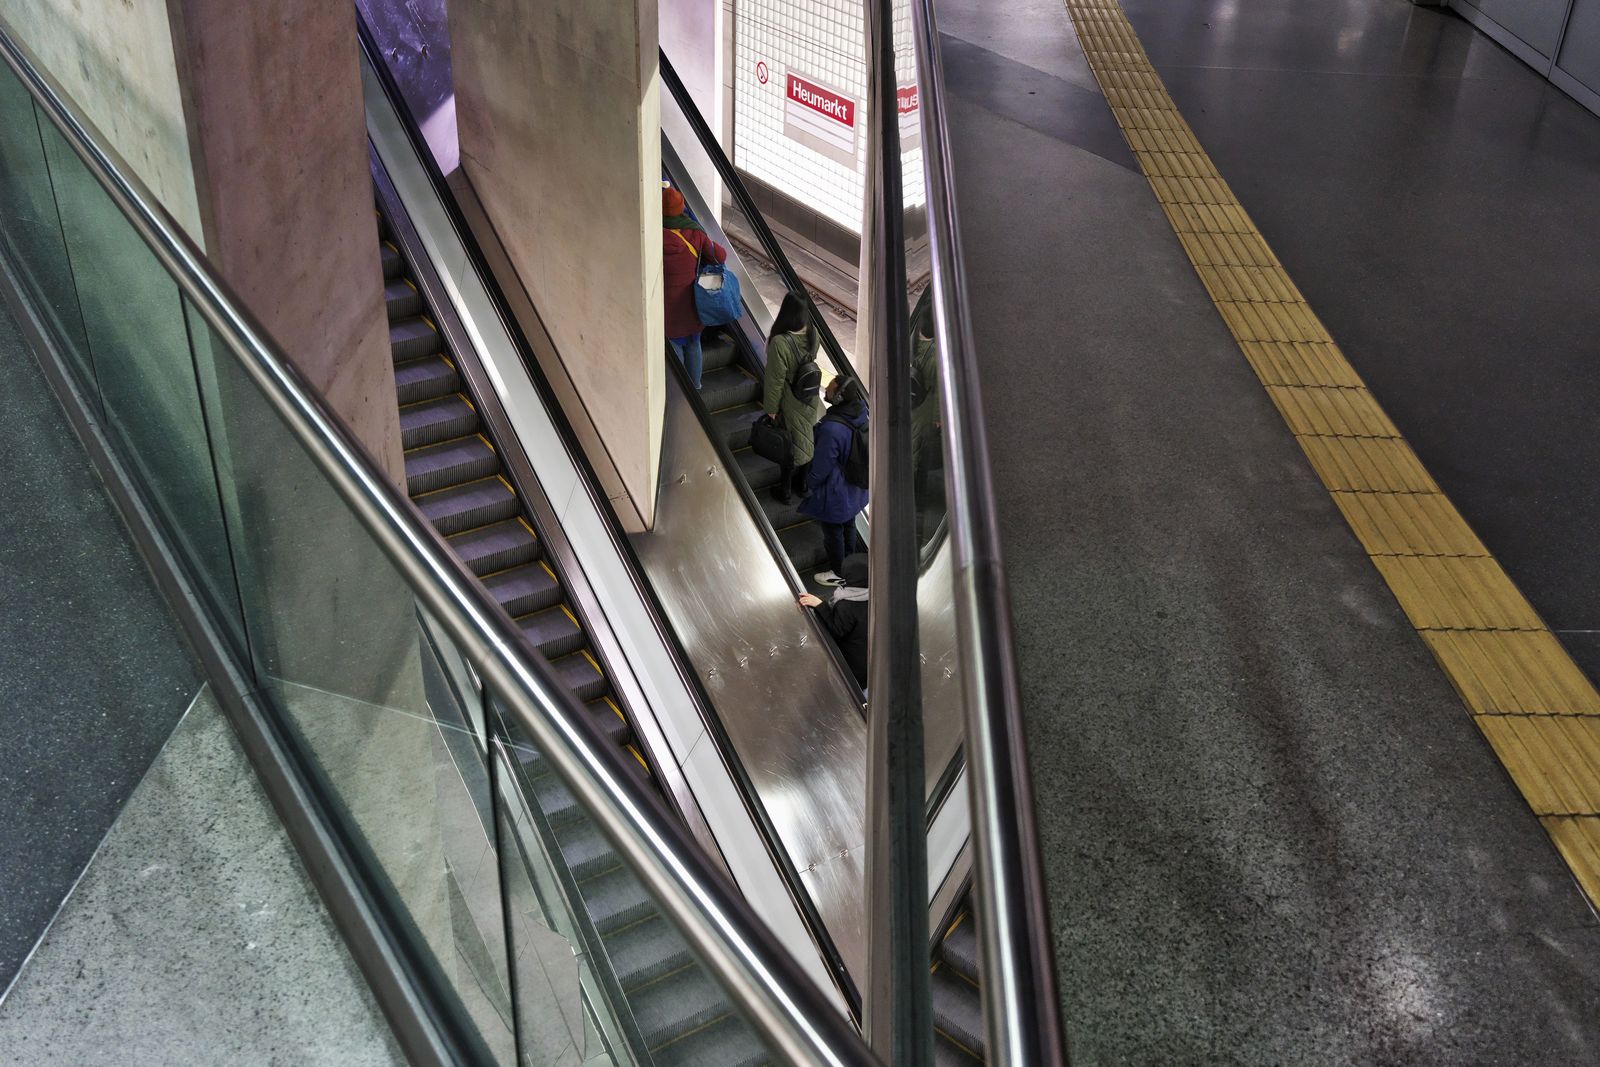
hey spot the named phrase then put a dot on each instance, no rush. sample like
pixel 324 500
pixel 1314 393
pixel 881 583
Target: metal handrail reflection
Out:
pixel 1021 1006
pixel 773 994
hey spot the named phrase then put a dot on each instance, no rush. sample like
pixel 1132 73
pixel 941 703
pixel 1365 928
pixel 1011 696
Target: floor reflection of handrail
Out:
pixel 747 206
pixel 771 991
pixel 1021 1005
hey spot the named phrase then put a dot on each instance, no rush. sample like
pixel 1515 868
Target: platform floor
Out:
pixel 1272 832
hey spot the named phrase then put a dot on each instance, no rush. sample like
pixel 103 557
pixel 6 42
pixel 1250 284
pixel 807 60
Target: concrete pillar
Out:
pixel 559 114
pixel 277 134
pixel 246 121
pixel 693 37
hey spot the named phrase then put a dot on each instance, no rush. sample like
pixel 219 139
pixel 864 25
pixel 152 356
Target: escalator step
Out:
pixel 464 459
pixel 524 589
pixel 959 949
pixel 604 715
pixel 555 800
pixel 728 387
pixel 803 545
pixel 727 1043
pixel 611 722
pixel 581 676
pixel 781 516
pixel 433 421
pixel 957 1008
pixel 759 473
pixel 425 379
pixel 677 1005
pixel 553 631
pixel 646 951
pixel 412 339
pixel 717 351
pixel 466 507
pixel 393 264
pixel 585 849
pixel 733 424
pixel 495 548
pixel 616 899
pixel 401 298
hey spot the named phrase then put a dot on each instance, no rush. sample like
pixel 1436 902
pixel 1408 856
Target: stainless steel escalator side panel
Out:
pixel 666 714
pixel 791 717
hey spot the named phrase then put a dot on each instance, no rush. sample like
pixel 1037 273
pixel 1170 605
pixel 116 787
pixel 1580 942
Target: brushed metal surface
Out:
pixel 793 722
pixel 943 724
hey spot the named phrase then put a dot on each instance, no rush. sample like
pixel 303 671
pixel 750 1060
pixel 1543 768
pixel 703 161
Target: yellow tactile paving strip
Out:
pixel 1538 710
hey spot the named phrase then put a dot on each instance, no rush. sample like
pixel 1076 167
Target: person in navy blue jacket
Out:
pixel 831 499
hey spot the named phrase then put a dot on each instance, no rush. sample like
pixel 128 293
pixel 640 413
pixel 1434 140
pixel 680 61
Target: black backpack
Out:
pixel 858 460
pixel 806 385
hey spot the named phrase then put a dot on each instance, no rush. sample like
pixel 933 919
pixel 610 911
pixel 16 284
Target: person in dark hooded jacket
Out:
pixel 844 616
pixel 832 500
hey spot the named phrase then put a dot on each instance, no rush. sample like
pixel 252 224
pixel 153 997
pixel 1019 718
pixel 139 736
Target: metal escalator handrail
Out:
pixel 747 205
pixel 1021 1004
pixel 773 994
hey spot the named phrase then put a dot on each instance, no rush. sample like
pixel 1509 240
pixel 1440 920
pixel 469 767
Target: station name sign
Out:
pixel 820 118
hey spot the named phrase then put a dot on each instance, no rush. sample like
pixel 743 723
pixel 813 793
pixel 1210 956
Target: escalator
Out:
pixel 730 400
pixel 957 997
pixel 455 476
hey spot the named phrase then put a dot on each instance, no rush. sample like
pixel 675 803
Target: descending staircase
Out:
pixel 731 392
pixel 455 476
pixel 957 1003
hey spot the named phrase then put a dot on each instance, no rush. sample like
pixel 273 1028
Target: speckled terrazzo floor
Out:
pixel 194 937
pixel 1271 834
pixel 93 673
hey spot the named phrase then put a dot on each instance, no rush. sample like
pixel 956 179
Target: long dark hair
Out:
pixel 791 316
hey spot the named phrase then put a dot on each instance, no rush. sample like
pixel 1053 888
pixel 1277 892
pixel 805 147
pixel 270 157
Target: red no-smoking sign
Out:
pixel 761 71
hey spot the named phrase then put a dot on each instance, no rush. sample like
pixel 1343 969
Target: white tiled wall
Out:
pixel 823 40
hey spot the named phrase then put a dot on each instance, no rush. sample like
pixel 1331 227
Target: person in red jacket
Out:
pixel 684 247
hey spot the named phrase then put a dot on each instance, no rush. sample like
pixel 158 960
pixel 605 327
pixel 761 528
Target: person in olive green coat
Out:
pixel 792 343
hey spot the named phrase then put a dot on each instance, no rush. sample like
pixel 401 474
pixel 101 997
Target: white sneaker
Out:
pixel 827 578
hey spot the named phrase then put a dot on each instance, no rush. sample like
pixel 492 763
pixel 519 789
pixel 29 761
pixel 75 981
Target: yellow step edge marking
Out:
pixel 463 485
pixel 1538 710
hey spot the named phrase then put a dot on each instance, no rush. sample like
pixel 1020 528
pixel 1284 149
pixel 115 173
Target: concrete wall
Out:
pixel 560 116
pixel 277 133
pixel 115 60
